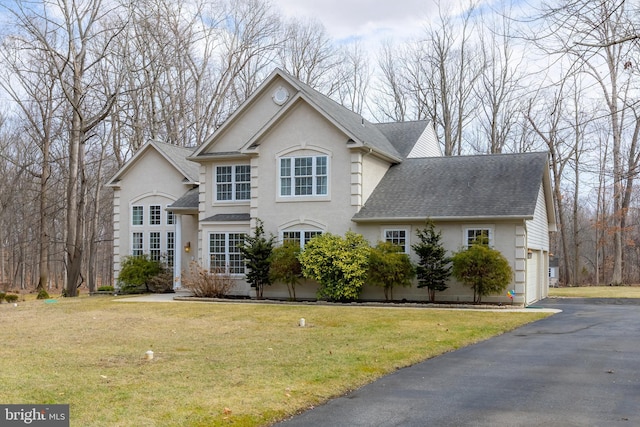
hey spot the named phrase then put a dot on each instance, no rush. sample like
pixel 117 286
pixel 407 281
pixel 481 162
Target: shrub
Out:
pixel 105 288
pixel 204 283
pixel 484 269
pixel 285 266
pixel 162 282
pixel 389 267
pixel 2 295
pixel 338 264
pixel 43 294
pixel 135 273
pixel 434 267
pixel 11 298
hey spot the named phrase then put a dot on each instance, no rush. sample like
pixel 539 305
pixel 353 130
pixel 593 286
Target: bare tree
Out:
pixel 546 119
pixel 499 86
pixel 353 75
pixel 309 55
pixel 74 37
pixel 28 79
pixel 391 98
pixel 437 78
pixel 594 35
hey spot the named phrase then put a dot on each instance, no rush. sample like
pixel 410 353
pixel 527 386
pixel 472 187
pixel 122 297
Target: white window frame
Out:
pixel 155 215
pixel 234 183
pixel 155 245
pixel 170 218
pixel 387 235
pixel 137 212
pixel 137 243
pixel 171 248
pixel 303 236
pixel 476 229
pixel 291 176
pixel 233 261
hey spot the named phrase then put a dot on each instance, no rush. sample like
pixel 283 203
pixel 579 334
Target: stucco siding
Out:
pixel 249 121
pixel 453 240
pixel 154 181
pixel 373 172
pixel 318 137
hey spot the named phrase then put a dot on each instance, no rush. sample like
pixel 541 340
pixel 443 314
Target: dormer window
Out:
pixel 304 176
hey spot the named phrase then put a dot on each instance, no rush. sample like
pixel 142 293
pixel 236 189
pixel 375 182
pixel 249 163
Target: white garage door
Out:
pixel 533 277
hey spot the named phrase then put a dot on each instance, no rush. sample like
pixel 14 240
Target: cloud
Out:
pixel 348 19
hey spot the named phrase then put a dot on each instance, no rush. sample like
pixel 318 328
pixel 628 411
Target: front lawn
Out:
pixel 215 363
pixel 596 292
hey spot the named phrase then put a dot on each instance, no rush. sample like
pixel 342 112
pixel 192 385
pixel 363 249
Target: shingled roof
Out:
pixel 458 187
pixel 189 201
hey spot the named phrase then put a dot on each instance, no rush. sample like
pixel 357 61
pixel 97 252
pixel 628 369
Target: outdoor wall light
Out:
pixel 187 247
pixel 529 254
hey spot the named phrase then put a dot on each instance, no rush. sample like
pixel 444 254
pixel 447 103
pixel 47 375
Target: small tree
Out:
pixel 389 267
pixel 285 266
pixel 137 271
pixel 482 268
pixel 434 267
pixel 256 251
pixel 338 264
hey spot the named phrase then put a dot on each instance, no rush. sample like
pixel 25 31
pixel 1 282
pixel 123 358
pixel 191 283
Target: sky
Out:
pixel 368 20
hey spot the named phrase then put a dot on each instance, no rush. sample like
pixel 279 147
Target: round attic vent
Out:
pixel 280 95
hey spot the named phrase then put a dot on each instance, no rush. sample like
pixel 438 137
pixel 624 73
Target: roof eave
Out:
pixel 444 218
pixel 218 156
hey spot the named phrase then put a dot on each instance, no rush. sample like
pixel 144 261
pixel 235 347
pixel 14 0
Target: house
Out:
pixel 304 165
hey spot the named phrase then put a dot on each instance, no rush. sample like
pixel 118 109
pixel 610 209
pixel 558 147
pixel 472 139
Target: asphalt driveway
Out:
pixel 580 367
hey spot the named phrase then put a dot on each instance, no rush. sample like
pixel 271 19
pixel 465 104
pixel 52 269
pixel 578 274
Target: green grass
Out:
pixel 597 292
pixel 215 364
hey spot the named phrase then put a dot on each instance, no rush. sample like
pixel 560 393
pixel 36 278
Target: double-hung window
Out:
pixel 304 176
pixel 479 235
pixel 155 215
pixel 137 215
pixel 233 183
pixel 224 253
pixel 397 237
pixel 154 245
pixel 171 246
pixel 300 237
pixel 137 244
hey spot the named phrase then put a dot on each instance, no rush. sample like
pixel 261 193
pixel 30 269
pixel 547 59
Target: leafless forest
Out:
pixel 84 83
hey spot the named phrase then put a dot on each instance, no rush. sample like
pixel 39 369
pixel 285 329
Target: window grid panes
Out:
pixel 137 215
pixel 171 244
pixel 307 176
pixel 397 237
pixel 137 244
pixel 171 218
pixel 233 182
pixel 154 245
pixel 300 237
pixel 155 215
pixel 224 253
pixel 478 235
pixel 243 182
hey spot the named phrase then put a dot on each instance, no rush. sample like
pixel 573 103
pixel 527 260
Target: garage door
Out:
pixel 533 277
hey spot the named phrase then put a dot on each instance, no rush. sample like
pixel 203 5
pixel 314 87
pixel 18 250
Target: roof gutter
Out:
pixel 441 218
